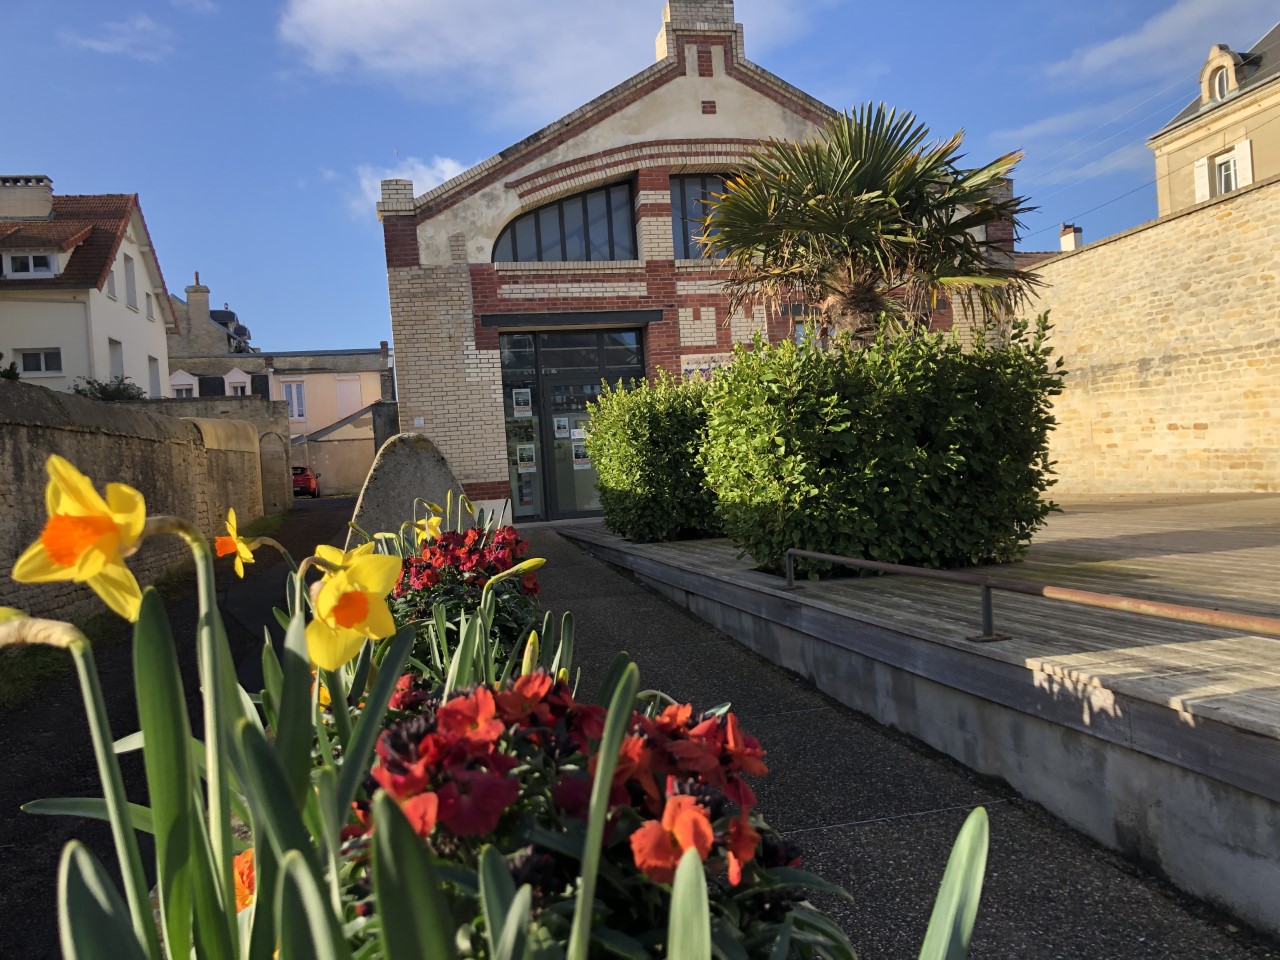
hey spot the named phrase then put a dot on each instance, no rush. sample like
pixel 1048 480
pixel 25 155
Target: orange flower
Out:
pixel 742 843
pixel 657 847
pixel 744 752
pixel 421 812
pixel 473 719
pixel 243 868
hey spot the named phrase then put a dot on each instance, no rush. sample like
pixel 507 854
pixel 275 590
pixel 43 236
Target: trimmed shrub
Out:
pixel 645 444
pixel 913 450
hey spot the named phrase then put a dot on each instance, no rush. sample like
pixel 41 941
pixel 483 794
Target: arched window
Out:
pixel 1218 84
pixel 599 225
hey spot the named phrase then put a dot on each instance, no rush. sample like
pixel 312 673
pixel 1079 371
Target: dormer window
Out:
pixel 1218 84
pixel 29 265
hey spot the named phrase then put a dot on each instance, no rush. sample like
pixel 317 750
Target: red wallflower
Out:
pixel 658 846
pixel 523 702
pixel 473 801
pixel 472 718
pixel 422 812
pixel 742 842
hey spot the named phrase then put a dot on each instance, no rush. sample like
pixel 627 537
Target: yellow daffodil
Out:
pixel 428 529
pixel 351 607
pixel 86 538
pixel 9 613
pixel 336 557
pixel 233 543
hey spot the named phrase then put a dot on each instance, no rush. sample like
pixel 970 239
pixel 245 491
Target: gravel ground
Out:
pixel 876 811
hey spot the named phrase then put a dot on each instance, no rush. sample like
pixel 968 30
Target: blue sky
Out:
pixel 255 131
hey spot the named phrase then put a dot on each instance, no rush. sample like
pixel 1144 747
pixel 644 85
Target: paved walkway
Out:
pixel 877 812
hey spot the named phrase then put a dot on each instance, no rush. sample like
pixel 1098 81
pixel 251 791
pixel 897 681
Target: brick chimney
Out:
pixel 694 16
pixel 26 198
pixel 197 302
pixel 1072 237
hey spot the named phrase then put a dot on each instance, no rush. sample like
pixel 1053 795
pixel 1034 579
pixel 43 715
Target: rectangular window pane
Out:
pixel 149 313
pixel 575 242
pixel 20 264
pixel 130 283
pixel 111 283
pixel 549 225
pixel 598 225
pixel 41 262
pixel 526 239
pixel 624 242
pixel 53 361
pixel 679 218
pixel 31 363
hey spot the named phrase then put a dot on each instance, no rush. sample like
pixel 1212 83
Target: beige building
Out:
pixel 81 292
pixel 1227 138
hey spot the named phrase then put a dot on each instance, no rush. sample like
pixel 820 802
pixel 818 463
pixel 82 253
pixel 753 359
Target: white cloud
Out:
pixel 139 38
pixel 1130 157
pixel 528 63
pixel 196 6
pixel 1172 41
pixel 425 174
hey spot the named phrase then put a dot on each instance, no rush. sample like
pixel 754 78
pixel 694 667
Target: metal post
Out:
pixel 791 570
pixel 988 619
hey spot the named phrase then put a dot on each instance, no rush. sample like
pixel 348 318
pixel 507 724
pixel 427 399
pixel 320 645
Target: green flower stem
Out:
pixel 221 705
pixel 275 545
pixel 55 634
pixel 338 705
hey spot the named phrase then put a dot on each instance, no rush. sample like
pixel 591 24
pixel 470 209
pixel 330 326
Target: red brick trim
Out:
pixel 705 65
pixel 602 155
pixel 708 106
pixel 487 490
pixel 400 238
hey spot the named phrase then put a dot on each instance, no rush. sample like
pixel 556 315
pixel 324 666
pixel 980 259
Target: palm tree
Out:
pixel 868 224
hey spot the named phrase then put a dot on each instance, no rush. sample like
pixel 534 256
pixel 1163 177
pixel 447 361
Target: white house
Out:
pixel 81 293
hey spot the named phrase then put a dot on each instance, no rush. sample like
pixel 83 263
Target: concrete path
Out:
pixel 877 812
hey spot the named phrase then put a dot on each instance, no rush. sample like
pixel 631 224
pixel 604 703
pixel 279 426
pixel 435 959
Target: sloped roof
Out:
pixel 1261 65
pixel 93 225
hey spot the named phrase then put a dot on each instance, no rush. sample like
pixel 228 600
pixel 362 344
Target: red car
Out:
pixel 304 482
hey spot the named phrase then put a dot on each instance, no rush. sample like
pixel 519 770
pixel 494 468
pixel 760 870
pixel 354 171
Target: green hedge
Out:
pixel 913 450
pixel 645 444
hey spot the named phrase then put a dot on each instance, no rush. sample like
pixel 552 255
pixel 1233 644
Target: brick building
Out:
pixel 572 257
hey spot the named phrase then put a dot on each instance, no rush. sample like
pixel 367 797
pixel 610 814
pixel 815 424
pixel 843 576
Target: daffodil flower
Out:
pixel 335 557
pixel 350 608
pixel 233 543
pixel 428 529
pixel 86 538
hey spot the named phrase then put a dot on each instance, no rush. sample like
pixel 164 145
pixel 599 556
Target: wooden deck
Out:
pixel 1219 552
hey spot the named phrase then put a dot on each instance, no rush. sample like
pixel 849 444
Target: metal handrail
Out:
pixel 1244 622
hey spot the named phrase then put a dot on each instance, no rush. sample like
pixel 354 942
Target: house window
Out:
pixel 30 265
pixel 689 208
pixel 153 374
pixel 150 314
pixel 599 225
pixel 184 393
pixel 239 390
pixel 111 283
pixel 1226 179
pixel 40 361
pixel 115 353
pixel 295 397
pixel 1218 84
pixel 130 283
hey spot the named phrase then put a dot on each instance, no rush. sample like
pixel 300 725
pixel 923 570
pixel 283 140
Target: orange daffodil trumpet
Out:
pixel 351 606
pixel 233 543
pixel 87 537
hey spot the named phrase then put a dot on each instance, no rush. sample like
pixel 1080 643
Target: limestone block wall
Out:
pixel 189 468
pixel 1171 335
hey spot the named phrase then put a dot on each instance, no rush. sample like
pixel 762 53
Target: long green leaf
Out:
pixel 416 921
pixel 515 928
pixel 262 939
pixel 166 728
pixel 269 795
pixel 612 678
pixel 93 922
pixel 355 763
pixel 954 912
pixel 272 677
pixel 621 705
pixel 308 928
pixel 92 808
pixel 497 891
pixel 689 926
pixel 295 730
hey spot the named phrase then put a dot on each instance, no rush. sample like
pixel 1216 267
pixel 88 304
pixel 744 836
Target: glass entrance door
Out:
pixel 549 380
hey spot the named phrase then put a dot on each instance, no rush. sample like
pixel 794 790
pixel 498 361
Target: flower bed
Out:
pixel 472 806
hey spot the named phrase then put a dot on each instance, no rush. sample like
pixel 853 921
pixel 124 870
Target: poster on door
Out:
pixel 562 427
pixel 526 458
pixel 522 403
pixel 581 460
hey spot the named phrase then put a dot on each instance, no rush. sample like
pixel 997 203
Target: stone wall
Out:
pixel 269 417
pixel 194 468
pixel 1171 336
